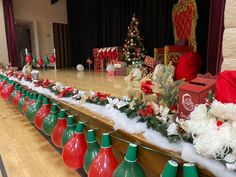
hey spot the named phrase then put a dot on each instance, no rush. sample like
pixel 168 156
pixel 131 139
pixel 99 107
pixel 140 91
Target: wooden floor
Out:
pixel 96 81
pixel 24 152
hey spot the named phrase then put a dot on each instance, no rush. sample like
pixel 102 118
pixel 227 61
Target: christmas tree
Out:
pixel 134 51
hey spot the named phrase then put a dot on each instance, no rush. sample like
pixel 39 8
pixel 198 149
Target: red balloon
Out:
pixel 17 97
pixel 42 113
pixel 52 59
pixel 6 91
pixel 104 164
pixel 75 149
pixel 59 129
pixel 28 58
pixel 40 61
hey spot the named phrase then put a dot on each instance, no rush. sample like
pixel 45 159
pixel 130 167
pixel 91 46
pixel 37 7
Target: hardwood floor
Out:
pixel 24 152
pixel 96 81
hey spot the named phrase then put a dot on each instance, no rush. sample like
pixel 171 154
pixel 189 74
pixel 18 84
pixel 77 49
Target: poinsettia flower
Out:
pixel 102 96
pixel 146 87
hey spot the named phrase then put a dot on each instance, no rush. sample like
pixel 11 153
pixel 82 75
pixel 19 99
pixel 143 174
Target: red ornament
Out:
pixel 219 123
pixel 6 91
pixel 42 113
pixel 29 103
pixel 75 149
pixel 40 61
pixel 52 59
pixel 104 163
pixel 59 129
pixel 28 58
pixel 17 97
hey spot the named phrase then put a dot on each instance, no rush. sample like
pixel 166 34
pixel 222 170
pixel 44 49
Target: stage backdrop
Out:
pixel 103 23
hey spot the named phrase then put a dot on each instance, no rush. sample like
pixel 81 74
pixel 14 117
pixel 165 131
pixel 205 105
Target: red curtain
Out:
pixel 10 33
pixel 215 35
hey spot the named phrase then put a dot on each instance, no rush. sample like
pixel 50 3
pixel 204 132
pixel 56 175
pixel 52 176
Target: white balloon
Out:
pixel 110 67
pixel 80 68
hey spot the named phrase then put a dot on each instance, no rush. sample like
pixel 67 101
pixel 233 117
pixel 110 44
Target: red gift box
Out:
pixel 151 62
pixel 193 93
pixel 120 71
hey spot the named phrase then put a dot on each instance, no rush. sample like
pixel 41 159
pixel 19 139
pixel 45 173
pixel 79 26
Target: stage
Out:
pixel 88 80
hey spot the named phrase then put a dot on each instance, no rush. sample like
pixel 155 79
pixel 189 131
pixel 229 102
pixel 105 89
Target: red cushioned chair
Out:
pixel 184 19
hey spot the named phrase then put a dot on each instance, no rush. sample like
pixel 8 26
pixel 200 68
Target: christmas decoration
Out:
pixel 130 167
pixel 7 90
pixel 14 92
pixel 58 129
pixel 46 60
pixel 50 121
pixel 31 102
pixel 33 109
pixel 18 96
pixel 34 62
pixel 133 49
pixel 2 83
pixel 21 101
pixel 170 169
pixel 190 170
pixel 28 98
pixel 69 131
pixel 28 58
pixel 40 61
pixel 74 150
pixel 92 151
pixel 104 163
pixel 27 69
pixel 42 113
pixel 89 61
pixel 52 59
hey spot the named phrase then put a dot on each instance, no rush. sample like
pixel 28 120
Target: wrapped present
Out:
pixel 120 71
pixel 193 93
pixel 151 62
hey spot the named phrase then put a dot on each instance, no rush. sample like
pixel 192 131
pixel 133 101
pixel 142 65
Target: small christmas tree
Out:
pixel 134 51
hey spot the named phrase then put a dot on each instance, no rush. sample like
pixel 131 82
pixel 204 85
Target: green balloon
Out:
pixel 21 101
pixel 46 60
pixel 69 131
pixel 129 167
pixel 33 109
pixel 92 150
pixel 50 121
pixel 34 62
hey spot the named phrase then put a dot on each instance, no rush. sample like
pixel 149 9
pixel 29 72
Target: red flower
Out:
pixel 46 83
pixel 102 96
pixel 148 111
pixel 146 87
pixel 65 91
pixel 219 123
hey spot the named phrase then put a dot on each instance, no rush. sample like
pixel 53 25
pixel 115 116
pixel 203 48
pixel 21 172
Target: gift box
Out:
pixel 151 62
pixel 120 71
pixel 193 93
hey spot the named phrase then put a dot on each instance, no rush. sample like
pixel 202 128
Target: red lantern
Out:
pixel 18 96
pixel 40 61
pixel 105 163
pixel 29 103
pixel 42 113
pixel 28 58
pixel 59 129
pixel 75 149
pixel 52 59
pixel 6 91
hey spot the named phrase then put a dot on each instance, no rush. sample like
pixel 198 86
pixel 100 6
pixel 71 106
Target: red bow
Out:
pixel 102 96
pixel 146 87
pixel 37 84
pixel 65 91
pixel 148 111
pixel 46 83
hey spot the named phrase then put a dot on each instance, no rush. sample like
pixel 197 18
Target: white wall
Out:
pixel 41 14
pixel 3 43
pixel 229 38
